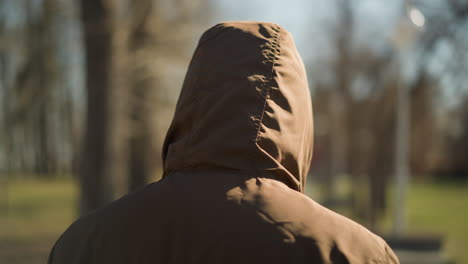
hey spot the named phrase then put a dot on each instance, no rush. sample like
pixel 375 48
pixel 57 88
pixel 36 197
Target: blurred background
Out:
pixel 88 88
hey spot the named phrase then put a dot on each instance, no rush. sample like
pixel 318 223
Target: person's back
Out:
pixel 235 162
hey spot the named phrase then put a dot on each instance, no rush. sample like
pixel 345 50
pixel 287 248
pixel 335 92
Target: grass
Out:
pixel 38 211
pixel 441 208
pixel 32 215
pixel 434 209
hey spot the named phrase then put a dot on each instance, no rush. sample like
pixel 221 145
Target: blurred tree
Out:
pixel 124 41
pixel 160 33
pixel 340 97
pixel 102 161
pixel 35 107
pixel 445 31
pixel 360 108
pixel 143 86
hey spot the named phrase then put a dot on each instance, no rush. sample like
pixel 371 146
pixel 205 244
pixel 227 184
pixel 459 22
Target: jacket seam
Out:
pixel 271 55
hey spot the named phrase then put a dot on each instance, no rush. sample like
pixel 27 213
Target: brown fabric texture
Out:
pixel 236 157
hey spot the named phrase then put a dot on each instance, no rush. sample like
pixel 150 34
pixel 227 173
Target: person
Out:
pixel 235 157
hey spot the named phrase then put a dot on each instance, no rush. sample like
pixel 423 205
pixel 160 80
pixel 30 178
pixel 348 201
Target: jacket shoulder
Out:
pixel 349 239
pixel 81 240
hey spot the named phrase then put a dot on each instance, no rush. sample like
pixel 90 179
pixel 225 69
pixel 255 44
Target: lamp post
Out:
pixel 405 33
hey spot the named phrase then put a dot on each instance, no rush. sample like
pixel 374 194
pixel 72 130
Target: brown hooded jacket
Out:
pixel 235 158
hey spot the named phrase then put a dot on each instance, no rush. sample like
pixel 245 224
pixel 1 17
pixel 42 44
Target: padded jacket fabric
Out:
pixel 236 157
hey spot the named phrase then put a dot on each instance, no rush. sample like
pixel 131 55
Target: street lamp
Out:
pixel 416 17
pixel 405 33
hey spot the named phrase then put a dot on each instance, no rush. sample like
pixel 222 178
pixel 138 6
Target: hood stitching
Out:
pixel 271 55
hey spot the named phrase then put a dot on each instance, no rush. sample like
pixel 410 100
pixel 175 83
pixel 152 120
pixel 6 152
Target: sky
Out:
pixel 309 21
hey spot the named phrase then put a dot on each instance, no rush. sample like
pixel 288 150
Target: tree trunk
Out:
pixel 143 85
pixel 96 187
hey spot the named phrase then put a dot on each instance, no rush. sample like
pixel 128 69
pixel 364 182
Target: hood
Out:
pixel 244 105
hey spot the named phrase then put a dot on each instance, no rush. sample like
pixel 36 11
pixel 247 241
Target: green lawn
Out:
pixel 433 209
pixel 442 209
pixel 38 211
pixel 32 214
